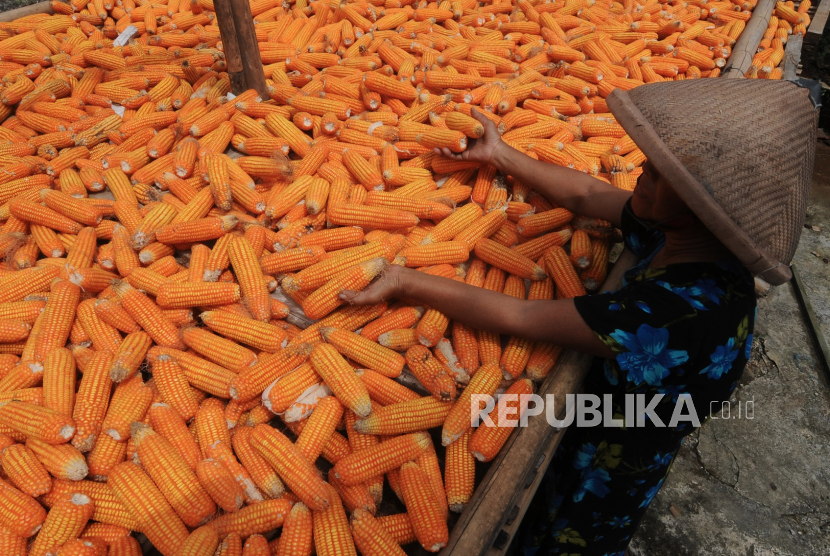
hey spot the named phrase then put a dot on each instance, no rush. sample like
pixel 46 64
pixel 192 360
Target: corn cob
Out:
pixel 173 386
pixel 24 471
pixel 372 217
pixel 319 428
pixel 340 377
pixel 261 473
pixel 404 417
pixel 11 543
pixel 296 535
pixel 22 514
pixel 259 335
pixel 508 260
pixel 65 521
pixel 129 403
pixel 431 373
pixel 253 380
pixel 484 383
pixel 47 425
pixel 488 439
pixel 318 274
pixel 244 262
pixel 130 355
pixel 292 467
pixel 226 354
pixel 423 508
pixel 103 458
pixel 148 315
pixel 141 496
pixel 459 473
pixel 203 540
pixel 169 424
pixel 62 461
pixel 124 546
pixel 568 284
pixel 220 484
pixel 92 401
pixel 174 478
pixel 364 352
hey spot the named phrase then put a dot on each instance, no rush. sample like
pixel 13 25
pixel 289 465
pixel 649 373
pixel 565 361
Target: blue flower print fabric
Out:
pixel 680 331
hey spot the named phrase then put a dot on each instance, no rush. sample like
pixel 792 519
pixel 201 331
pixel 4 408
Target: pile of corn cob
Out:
pixel 785 21
pixel 338 180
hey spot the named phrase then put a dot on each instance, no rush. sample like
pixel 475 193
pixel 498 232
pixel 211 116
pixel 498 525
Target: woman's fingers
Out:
pixel 489 126
pixel 382 289
pixel 445 152
pixel 365 297
pixel 449 154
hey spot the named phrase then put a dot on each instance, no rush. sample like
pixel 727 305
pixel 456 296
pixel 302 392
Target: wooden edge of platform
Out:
pixel 521 459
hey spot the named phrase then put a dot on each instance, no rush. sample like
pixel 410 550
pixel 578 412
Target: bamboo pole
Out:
pixel 230 46
pixel 747 44
pixel 243 21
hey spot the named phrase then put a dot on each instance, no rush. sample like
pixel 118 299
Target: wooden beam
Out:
pixel 508 531
pixel 243 20
pixel 39 8
pixel 504 483
pixel 747 45
pixel 792 56
pixel 818 22
pixel 230 46
pixel 516 467
pixel 822 349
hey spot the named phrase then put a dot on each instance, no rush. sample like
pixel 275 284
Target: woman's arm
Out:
pixel 568 188
pixel 548 321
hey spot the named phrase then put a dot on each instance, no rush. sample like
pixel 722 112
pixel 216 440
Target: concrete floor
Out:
pixel 761 486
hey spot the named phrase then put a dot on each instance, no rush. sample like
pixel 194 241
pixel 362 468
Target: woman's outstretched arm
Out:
pixel 571 189
pixel 549 321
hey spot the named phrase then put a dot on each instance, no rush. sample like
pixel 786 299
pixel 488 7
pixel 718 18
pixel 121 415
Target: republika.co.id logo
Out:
pixel 590 410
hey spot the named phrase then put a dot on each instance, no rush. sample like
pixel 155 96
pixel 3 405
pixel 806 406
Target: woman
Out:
pixel 719 200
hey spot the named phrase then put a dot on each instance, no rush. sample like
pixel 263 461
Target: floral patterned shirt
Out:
pixel 679 329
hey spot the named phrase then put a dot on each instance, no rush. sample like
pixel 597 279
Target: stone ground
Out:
pixel 12 4
pixel 761 486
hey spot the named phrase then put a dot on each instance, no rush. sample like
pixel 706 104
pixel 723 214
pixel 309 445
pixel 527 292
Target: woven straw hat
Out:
pixel 739 152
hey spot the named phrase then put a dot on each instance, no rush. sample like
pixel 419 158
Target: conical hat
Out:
pixel 739 152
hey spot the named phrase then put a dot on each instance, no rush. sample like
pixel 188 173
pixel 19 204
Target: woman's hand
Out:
pixel 482 149
pixel 389 285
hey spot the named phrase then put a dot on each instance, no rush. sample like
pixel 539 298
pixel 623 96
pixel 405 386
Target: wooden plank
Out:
pixel 792 56
pixel 500 489
pixel 39 8
pixel 812 322
pixel 504 484
pixel 818 22
pixel 747 45
pixel 517 513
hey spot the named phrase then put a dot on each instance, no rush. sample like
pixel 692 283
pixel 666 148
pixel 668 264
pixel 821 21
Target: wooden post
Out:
pixel 792 57
pixel 818 22
pixel 230 45
pixel 243 21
